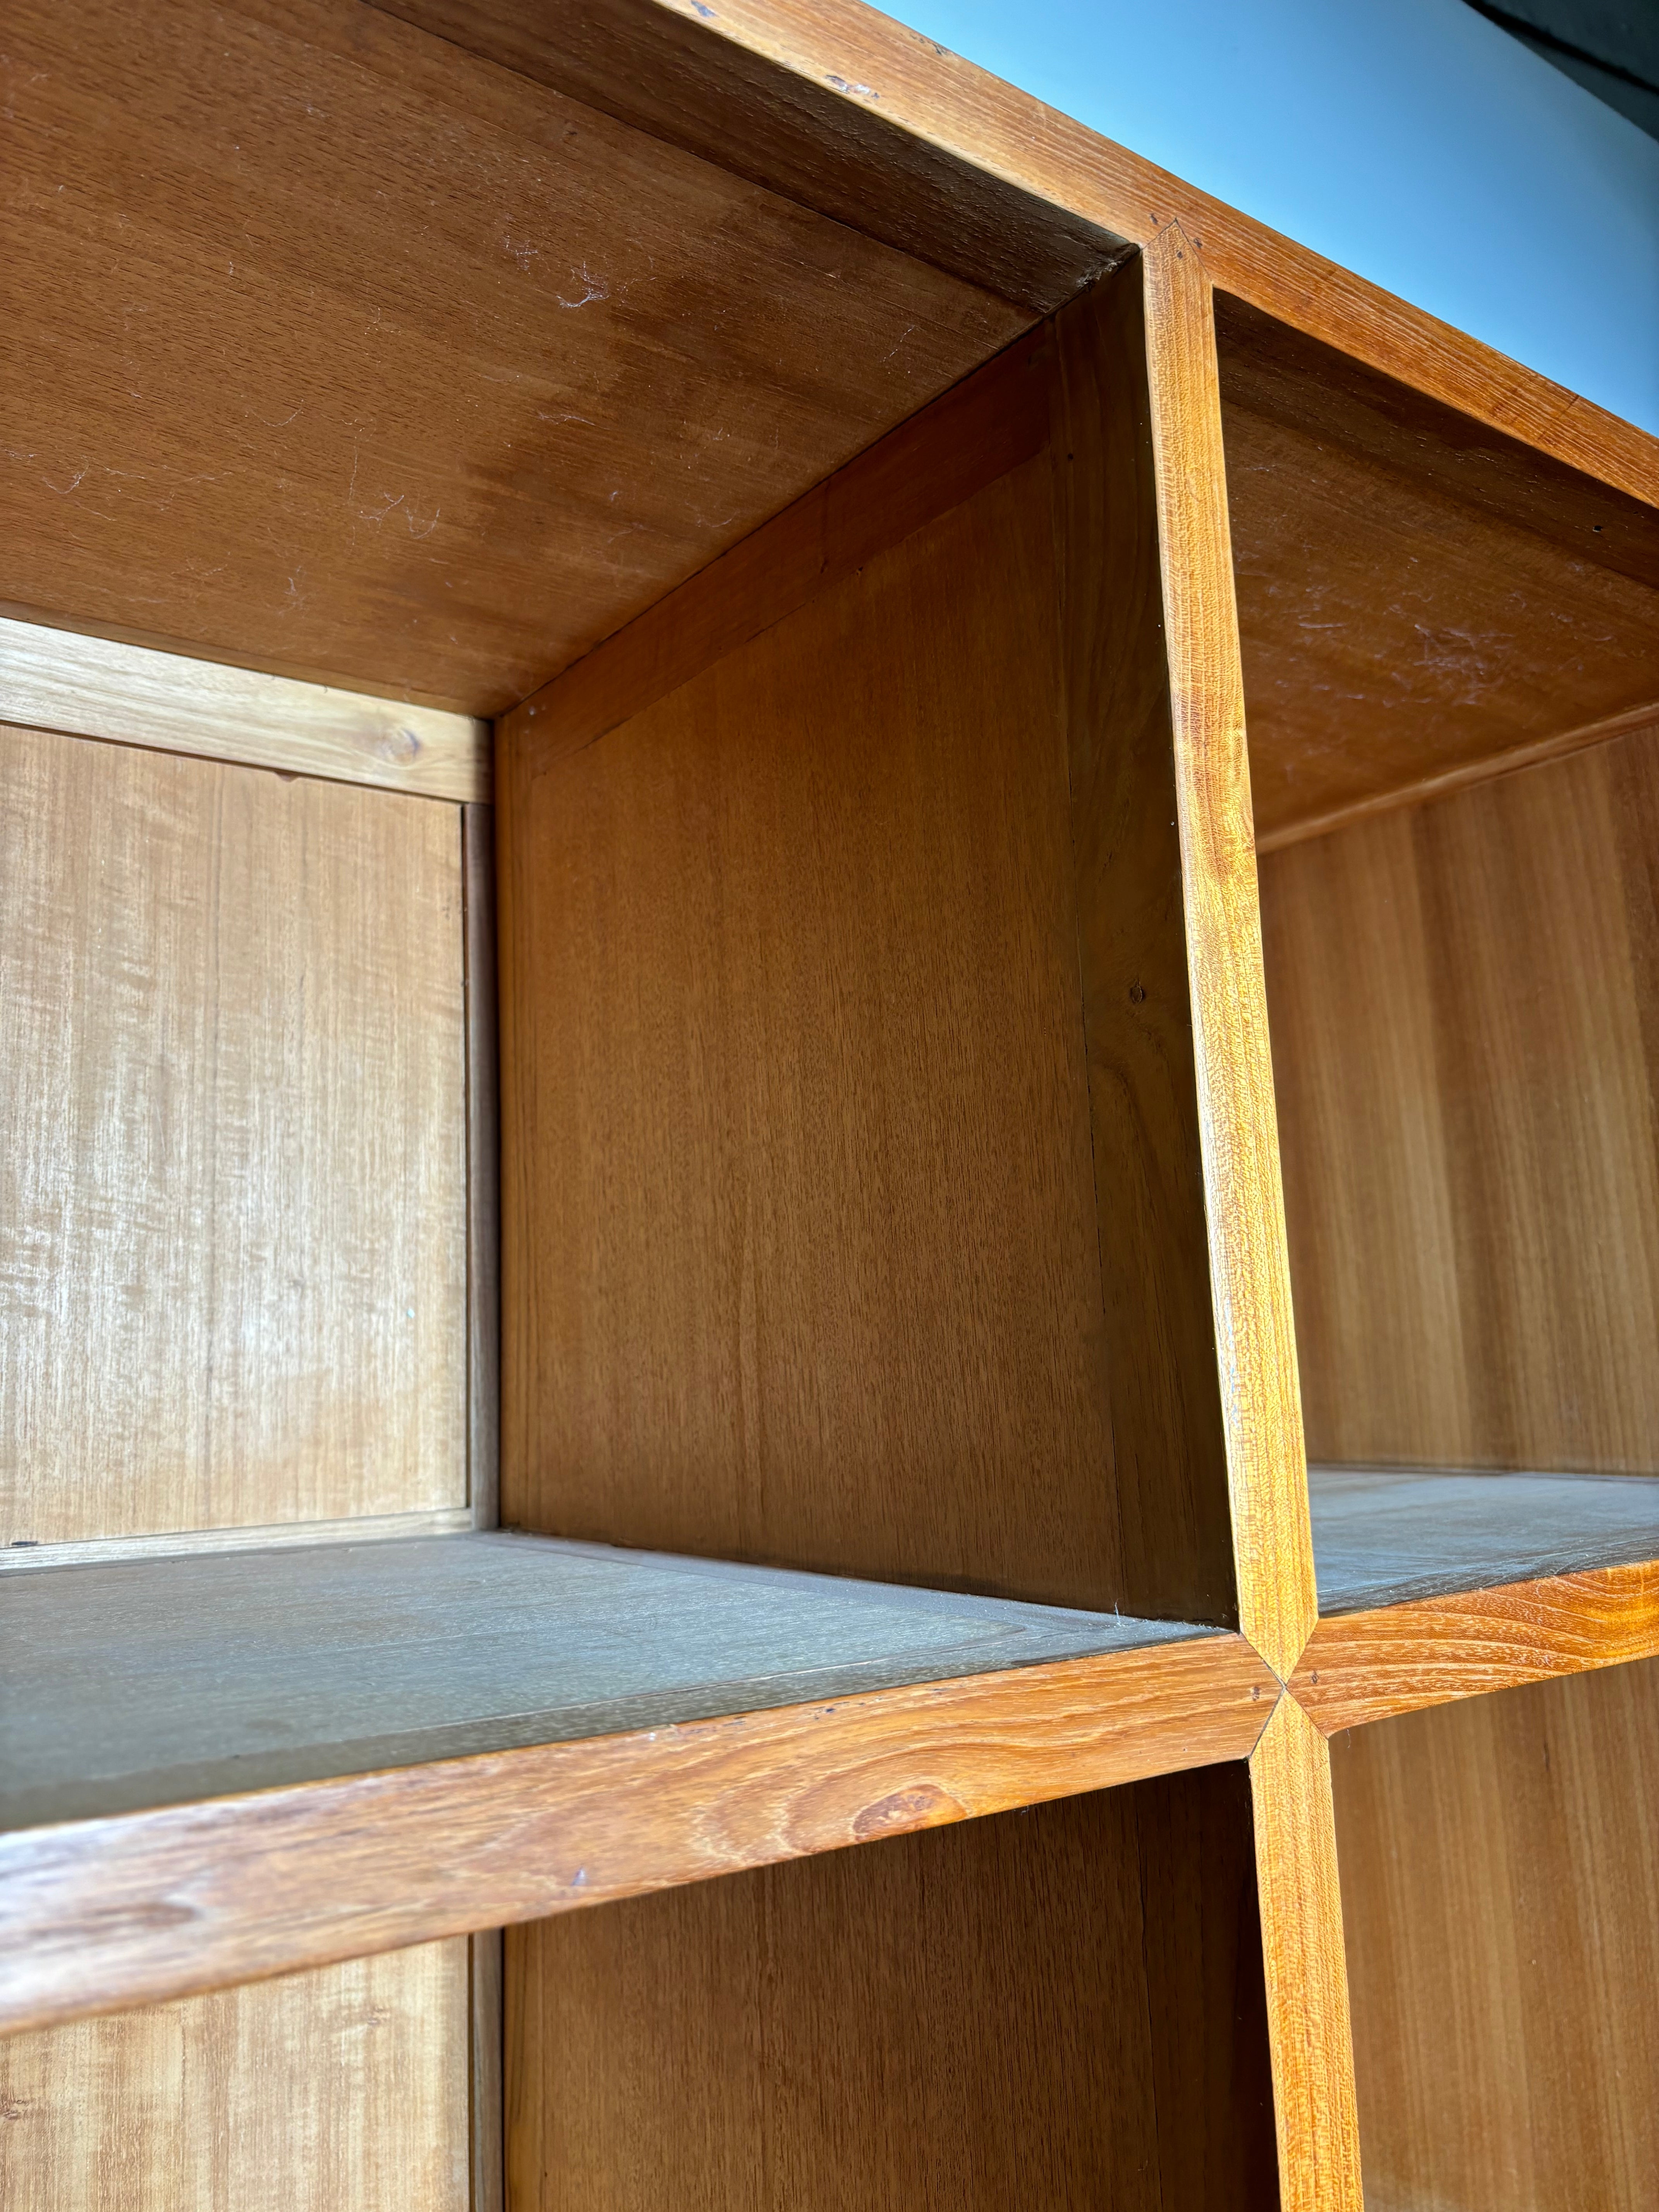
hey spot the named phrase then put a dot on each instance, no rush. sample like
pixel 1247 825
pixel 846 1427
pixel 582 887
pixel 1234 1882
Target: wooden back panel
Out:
pixel 1060 2007
pixel 234 1165
pixel 853 1214
pixel 1465 1003
pixel 344 2087
pixel 1500 1885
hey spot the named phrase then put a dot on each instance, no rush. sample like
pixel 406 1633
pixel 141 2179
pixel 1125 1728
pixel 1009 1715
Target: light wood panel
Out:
pixel 847 109
pixel 1463 1016
pixel 1363 1666
pixel 92 686
pixel 1249 1277
pixel 121 1911
pixel 232 1182
pixel 236 1672
pixel 1060 2007
pixel 344 353
pixel 1306 1979
pixel 1500 1879
pixel 1418 596
pixel 342 2087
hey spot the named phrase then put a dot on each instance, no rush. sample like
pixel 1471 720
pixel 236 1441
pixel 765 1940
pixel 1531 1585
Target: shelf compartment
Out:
pixel 240 1764
pixel 851 1104
pixel 1498 1885
pixel 1061 2007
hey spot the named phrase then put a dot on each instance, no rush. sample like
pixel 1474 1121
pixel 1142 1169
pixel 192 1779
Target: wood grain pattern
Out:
pixel 1466 1042
pixel 847 109
pixel 1249 1268
pixel 800 137
pixel 232 1183
pixel 1035 2009
pixel 344 2087
pixel 1416 440
pixel 91 687
pixel 1396 626
pixel 1169 1447
pixel 802 1259
pixel 1307 1989
pixel 411 373
pixel 107 1913
pixel 1501 1884
pixel 940 457
pixel 1364 1666
pixel 1440 783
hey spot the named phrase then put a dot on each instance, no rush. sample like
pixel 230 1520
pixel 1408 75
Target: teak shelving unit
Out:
pixel 867 506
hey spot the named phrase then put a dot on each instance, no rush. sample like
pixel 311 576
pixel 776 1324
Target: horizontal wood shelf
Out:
pixel 767 1713
pixel 1392 1536
pixel 1361 1667
pixel 245 1670
pixel 1436 1586
pixel 97 687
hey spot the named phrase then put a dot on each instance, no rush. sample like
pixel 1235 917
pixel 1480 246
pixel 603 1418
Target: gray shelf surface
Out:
pixel 136 1684
pixel 1385 1535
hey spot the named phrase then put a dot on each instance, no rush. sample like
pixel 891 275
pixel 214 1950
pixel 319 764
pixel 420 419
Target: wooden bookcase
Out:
pixel 695 1149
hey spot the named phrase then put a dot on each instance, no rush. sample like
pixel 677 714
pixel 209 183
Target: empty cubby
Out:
pixel 1451 659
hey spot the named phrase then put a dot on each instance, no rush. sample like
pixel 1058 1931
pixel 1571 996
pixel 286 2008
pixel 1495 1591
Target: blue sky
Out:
pixel 1410 140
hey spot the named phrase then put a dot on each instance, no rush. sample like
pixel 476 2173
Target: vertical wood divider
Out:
pixel 1296 1879
pixel 1305 1966
pixel 1168 1444
pixel 1249 1267
pixel 485 2100
pixel 486 2085
pixel 484 1239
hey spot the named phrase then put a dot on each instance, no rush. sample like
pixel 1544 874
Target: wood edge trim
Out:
pixel 484 1239
pixel 486 2071
pixel 865 57
pixel 1310 2030
pixel 281 1535
pixel 81 686
pixel 143 1908
pixel 1535 754
pixel 584 703
pixel 1249 1265
pixel 1390 1660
